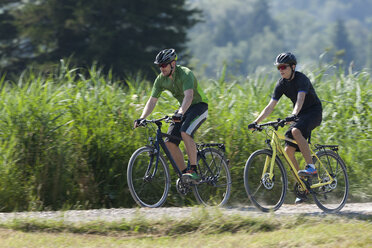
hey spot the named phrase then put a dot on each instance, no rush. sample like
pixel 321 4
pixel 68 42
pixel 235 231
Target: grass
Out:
pixel 203 229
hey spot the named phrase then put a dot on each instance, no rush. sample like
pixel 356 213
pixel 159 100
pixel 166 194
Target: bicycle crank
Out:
pixel 182 187
pixel 299 191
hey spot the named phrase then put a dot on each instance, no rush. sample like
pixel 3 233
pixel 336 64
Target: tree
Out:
pixel 8 34
pixel 343 48
pixel 256 21
pixel 120 34
pixel 238 35
pixel 369 52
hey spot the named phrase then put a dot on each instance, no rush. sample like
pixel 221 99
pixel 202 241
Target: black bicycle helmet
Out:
pixel 285 58
pixel 165 56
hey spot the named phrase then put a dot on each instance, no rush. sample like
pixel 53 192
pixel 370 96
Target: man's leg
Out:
pixel 191 153
pixel 190 147
pixel 176 154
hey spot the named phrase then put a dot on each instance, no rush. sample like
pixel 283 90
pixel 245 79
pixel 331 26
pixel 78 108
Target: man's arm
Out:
pixel 187 100
pixel 300 101
pixel 149 107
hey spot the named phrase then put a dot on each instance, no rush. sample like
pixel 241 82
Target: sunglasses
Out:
pixel 163 65
pixel 282 67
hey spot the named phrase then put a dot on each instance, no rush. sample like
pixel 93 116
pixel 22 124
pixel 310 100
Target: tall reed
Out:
pixel 66 137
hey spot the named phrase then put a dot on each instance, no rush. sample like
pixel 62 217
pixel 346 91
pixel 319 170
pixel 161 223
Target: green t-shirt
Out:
pixel 183 79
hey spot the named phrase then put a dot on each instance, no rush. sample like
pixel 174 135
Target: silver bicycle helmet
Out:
pixel 165 56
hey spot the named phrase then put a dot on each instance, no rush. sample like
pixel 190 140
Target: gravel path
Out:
pixel 108 215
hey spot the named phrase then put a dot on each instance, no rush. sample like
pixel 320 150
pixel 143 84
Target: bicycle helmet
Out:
pixel 285 58
pixel 165 56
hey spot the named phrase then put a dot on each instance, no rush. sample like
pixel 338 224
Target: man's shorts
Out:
pixel 306 123
pixel 192 119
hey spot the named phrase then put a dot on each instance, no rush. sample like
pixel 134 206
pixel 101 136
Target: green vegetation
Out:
pixel 122 35
pixel 204 228
pixel 126 36
pixel 66 137
pixel 248 34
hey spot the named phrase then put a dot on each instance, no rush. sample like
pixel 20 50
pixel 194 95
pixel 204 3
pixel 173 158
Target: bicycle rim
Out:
pixel 331 198
pixel 265 193
pixel 148 187
pixel 215 186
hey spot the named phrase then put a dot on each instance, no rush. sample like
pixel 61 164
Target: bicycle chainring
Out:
pixel 182 188
pixel 299 191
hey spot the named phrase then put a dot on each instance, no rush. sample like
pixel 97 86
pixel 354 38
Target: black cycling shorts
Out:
pixel 192 119
pixel 306 123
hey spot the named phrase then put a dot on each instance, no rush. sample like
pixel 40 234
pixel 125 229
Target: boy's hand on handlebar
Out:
pixel 291 118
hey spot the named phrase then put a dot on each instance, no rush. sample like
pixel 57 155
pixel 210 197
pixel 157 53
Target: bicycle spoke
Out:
pixel 215 187
pixel 148 183
pixel 258 188
pixel 265 193
pixel 331 197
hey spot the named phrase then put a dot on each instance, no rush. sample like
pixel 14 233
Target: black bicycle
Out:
pixel 149 177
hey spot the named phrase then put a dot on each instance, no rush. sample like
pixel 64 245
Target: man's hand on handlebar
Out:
pixel 137 122
pixel 177 117
pixel 252 126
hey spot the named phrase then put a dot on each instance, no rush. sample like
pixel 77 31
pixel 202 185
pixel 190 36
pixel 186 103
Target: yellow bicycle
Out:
pixel 265 177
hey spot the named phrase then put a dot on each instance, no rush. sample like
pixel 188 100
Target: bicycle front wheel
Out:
pixel 215 186
pixel 148 183
pixel 332 197
pixel 265 192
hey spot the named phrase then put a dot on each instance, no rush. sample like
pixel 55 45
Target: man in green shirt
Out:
pixel 193 110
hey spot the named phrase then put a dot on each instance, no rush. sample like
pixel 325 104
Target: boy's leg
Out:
pixel 290 150
pixel 302 144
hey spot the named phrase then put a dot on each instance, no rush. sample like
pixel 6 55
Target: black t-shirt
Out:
pixel 300 83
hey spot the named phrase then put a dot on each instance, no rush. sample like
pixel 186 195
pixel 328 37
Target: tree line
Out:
pixel 121 35
pixel 124 36
pixel 248 34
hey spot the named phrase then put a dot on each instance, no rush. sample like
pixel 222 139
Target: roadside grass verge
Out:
pixel 202 221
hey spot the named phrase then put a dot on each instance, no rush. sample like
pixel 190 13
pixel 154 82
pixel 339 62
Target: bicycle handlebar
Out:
pixel 274 124
pixel 144 122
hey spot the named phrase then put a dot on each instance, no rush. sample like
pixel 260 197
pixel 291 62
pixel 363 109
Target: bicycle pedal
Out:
pixel 188 180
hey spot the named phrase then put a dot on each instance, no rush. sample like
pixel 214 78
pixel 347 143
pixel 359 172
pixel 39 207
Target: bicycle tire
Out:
pixel 331 198
pixel 148 191
pixel 215 186
pixel 265 194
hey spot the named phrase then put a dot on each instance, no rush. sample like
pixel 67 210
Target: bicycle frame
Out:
pixel 159 142
pixel 278 149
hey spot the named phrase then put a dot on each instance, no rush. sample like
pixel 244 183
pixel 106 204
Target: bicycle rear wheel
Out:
pixel 331 198
pixel 215 186
pixel 148 184
pixel 265 193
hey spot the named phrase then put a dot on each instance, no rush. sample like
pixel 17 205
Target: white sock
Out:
pixel 312 166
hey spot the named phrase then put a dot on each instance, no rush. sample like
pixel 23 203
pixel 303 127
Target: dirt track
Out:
pixel 350 209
